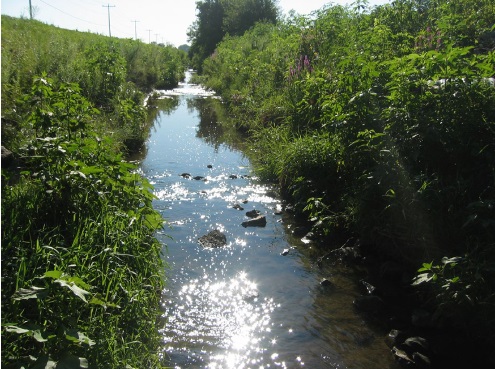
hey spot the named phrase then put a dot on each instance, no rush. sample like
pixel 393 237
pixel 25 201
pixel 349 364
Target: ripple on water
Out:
pixel 227 320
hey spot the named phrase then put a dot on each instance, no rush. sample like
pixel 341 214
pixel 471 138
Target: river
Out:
pixel 244 305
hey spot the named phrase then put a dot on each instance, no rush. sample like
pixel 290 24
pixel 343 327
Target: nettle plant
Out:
pixel 55 110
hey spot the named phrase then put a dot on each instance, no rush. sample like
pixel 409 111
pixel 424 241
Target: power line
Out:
pixel 70 15
pixel 108 6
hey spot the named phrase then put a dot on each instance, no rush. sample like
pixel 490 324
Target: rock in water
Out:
pixel 326 283
pixel 213 239
pixel 253 213
pixel 259 221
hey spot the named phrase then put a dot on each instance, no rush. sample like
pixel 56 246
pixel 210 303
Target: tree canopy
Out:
pixel 217 18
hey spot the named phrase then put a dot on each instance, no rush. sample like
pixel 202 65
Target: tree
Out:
pixel 217 18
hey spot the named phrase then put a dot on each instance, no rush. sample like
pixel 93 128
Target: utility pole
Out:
pixel 149 35
pixel 135 30
pixel 30 11
pixel 108 6
pixel 156 38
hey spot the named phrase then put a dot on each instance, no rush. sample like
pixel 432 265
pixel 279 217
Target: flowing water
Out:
pixel 244 305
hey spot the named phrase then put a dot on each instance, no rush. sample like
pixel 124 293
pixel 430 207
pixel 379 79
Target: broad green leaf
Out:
pixel 32 292
pixel 423 278
pixel 40 336
pixel 79 292
pixel 78 281
pixel 55 274
pixel 78 337
pixel 16 329
pixel 453 260
pixel 91 170
pixel 425 267
pixel 97 301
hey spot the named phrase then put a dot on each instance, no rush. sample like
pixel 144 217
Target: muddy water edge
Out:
pixel 256 302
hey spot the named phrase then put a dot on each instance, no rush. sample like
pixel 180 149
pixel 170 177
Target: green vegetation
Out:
pixel 380 123
pixel 218 18
pixel 82 272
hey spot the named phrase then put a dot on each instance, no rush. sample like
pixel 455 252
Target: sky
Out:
pixel 161 21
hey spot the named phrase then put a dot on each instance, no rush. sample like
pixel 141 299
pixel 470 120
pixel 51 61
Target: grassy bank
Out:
pixel 81 268
pixel 380 123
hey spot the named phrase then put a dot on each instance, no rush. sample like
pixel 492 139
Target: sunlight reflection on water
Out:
pixel 242 305
pixel 227 314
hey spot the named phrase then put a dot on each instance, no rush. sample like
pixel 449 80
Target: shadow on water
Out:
pixel 244 305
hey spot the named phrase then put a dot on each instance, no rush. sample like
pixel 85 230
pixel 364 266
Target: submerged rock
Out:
pixel 213 239
pixel 369 304
pixel 238 207
pixel 186 175
pixel 285 252
pixel 416 344
pixel 395 338
pixel 402 357
pixel 326 283
pixel 368 286
pixel 259 221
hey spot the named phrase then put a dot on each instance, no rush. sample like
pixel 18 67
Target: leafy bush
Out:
pixel 81 266
pixel 385 128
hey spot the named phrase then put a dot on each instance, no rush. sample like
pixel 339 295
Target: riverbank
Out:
pixel 380 130
pixel 82 271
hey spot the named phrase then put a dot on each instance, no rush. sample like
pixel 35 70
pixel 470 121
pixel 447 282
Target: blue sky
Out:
pixel 164 21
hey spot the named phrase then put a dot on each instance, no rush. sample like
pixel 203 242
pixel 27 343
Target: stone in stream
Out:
pixel 199 178
pixel 326 283
pixel 395 338
pixel 238 207
pixel 186 175
pixel 285 252
pixel 253 213
pixel 416 344
pixel 213 239
pixel 259 221
pixel 209 166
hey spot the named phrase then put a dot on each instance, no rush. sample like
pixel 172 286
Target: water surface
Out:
pixel 243 305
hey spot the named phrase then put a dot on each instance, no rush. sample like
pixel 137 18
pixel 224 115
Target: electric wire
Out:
pixel 70 15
